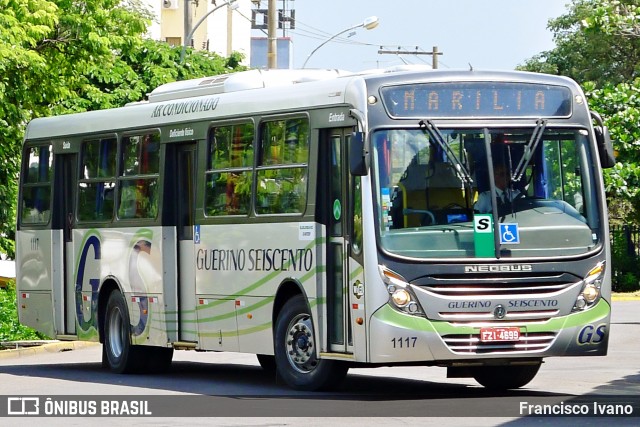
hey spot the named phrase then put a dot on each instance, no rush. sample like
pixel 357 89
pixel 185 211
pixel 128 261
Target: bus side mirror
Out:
pixel 358 155
pixel 605 147
pixel 603 141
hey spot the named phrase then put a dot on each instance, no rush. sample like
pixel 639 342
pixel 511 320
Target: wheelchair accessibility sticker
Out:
pixel 509 234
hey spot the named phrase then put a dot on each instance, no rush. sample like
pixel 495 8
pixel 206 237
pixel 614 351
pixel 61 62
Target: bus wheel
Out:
pixel 295 351
pixel 505 377
pixel 118 351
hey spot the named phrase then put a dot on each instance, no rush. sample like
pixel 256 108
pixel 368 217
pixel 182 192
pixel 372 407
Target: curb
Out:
pixel 622 296
pixel 54 347
pixel 625 298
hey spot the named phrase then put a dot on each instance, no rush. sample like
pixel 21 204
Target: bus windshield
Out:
pixel 533 185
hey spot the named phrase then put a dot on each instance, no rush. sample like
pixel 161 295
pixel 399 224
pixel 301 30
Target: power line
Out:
pixel 316 34
pixel 305 30
pixel 434 53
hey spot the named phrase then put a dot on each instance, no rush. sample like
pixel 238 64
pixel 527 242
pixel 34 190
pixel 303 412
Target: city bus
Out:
pixel 324 220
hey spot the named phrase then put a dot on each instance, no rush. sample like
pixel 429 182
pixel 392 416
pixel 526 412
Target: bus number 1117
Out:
pixel 406 342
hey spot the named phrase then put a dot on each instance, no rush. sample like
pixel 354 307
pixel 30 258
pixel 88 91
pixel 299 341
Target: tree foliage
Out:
pixel 591 44
pixel 620 105
pixel 64 56
pixel 615 17
pixel 10 328
pixel 598 45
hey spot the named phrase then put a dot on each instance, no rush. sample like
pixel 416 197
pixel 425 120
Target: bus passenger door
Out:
pixel 185 205
pixel 334 202
pixel 63 218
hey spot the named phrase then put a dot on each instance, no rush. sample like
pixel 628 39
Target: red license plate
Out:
pixel 499 334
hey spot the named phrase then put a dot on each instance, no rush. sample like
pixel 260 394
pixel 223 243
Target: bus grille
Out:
pixel 472 301
pixel 470 344
pixel 483 289
pixel 472 318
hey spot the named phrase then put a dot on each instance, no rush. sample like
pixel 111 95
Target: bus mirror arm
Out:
pixel 358 151
pixel 603 139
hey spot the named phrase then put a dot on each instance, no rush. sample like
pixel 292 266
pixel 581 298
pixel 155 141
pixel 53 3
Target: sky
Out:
pixel 484 34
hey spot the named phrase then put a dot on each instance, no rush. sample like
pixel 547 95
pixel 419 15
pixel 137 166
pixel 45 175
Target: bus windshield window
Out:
pixel 427 199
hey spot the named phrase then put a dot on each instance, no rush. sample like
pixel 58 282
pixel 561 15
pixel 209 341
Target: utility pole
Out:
pixel 272 27
pixel 434 57
pixel 188 22
pixel 229 31
pixel 434 53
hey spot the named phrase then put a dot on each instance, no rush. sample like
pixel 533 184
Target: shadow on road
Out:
pixel 255 392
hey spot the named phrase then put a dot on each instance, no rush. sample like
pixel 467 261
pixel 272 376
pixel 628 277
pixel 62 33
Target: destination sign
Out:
pixel 477 99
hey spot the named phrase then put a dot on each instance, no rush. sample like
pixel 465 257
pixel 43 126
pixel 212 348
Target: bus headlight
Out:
pixel 590 293
pixel 401 297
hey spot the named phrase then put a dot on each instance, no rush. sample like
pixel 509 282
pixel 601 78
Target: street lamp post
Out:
pixel 231 3
pixel 368 24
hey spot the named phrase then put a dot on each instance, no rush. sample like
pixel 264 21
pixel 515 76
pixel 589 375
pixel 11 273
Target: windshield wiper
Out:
pixel 430 129
pixel 529 149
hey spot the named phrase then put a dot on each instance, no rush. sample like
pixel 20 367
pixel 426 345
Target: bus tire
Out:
pixel 505 377
pixel 119 353
pixel 296 353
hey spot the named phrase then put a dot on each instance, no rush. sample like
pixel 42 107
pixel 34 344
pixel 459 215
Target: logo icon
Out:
pixel 499 312
pixel 509 234
pixel 196 234
pixel 337 210
pixel 482 223
pixel 23 406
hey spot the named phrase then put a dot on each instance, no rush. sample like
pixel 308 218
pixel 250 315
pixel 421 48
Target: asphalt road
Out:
pixel 231 389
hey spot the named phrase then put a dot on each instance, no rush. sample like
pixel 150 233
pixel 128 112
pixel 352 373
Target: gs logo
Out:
pixel 590 334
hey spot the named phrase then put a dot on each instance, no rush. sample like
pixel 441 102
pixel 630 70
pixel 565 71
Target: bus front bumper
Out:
pixel 401 338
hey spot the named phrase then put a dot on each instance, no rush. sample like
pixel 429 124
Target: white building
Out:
pixel 224 31
pixel 7 271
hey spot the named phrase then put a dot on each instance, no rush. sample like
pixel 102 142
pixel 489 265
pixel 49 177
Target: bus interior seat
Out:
pixel 432 194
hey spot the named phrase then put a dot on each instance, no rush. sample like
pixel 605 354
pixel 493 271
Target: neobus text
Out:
pixel 488 268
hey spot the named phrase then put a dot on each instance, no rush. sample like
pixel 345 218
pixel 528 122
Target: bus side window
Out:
pixel 129 197
pixel 97 180
pixel 229 176
pixel 138 178
pixel 36 191
pixel 282 168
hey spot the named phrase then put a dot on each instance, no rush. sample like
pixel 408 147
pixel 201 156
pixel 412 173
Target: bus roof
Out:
pixel 255 91
pixel 227 96
pixel 235 82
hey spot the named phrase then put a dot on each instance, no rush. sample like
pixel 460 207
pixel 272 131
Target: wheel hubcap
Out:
pixel 115 333
pixel 300 344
